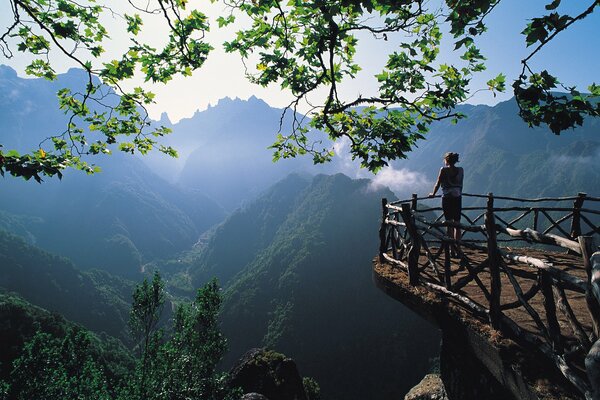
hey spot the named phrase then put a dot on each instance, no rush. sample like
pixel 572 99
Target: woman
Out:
pixel 450 179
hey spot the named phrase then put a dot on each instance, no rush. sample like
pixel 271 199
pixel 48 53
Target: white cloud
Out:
pixel 591 159
pixel 400 180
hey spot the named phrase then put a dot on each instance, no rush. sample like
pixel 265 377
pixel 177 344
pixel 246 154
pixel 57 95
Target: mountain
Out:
pixel 247 231
pixel 29 108
pixel 294 261
pixel 230 159
pixel 115 220
pixel 501 154
pixel 137 216
pixel 295 265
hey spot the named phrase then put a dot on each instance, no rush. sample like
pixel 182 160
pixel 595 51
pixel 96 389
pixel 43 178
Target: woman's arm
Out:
pixel 437 184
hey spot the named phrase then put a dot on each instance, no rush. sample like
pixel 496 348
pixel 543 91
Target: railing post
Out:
pixel 576 220
pixel 413 203
pixel 415 251
pixel 587 248
pixel 592 359
pixel 535 219
pixel 550 309
pixel 494 263
pixel 447 265
pixel 382 230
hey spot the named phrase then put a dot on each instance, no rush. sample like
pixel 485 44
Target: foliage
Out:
pixel 196 347
pixel 312 389
pixel 27 332
pixel 306 47
pixel 52 367
pixel 536 91
pixel 147 306
pixel 184 365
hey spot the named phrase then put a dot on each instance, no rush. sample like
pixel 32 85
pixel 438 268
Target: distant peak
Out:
pixel 7 72
pixel 252 100
pixel 164 119
pixel 255 100
pixel 226 100
pixel 79 76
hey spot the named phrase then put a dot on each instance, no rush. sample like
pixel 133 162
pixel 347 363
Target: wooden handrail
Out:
pixel 482 196
pixel 406 230
pixel 533 236
pixel 506 209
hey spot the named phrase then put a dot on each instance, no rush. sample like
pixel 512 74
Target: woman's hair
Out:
pixel 452 158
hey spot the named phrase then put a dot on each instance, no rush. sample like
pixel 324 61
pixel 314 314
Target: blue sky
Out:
pixel 573 56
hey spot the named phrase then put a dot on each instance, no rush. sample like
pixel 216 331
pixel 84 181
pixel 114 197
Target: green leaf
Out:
pixel 553 5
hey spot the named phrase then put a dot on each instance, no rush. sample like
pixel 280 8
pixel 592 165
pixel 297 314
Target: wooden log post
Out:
pixel 413 202
pixel 447 265
pixel 587 248
pixel 535 219
pixel 550 309
pixel 563 305
pixel 413 208
pixel 576 219
pixel 592 360
pixel 494 264
pixel 415 250
pixel 383 230
pixel 592 369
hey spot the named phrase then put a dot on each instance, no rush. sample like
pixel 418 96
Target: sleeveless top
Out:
pixel 451 184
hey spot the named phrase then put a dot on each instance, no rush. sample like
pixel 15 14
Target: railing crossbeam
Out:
pixel 555 224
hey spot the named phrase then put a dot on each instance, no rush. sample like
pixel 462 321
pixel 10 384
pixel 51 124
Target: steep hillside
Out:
pixel 95 299
pixel 116 220
pixel 304 287
pixel 248 231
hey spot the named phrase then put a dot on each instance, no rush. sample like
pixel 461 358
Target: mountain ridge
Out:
pixel 292 285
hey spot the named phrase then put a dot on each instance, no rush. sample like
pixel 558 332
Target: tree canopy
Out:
pixel 306 47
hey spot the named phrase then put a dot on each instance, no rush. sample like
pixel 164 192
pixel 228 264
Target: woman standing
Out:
pixel 450 179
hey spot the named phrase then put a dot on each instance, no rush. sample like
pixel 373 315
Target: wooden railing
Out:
pixel 413 236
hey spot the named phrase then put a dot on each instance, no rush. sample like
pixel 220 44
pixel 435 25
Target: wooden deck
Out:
pixel 561 260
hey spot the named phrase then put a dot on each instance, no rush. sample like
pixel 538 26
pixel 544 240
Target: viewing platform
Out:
pixel 519 293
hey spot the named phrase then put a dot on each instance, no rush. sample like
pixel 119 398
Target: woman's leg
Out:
pixel 458 210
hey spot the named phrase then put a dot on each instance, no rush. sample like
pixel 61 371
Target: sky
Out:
pixel 573 56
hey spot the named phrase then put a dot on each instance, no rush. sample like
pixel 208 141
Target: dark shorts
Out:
pixel 452 207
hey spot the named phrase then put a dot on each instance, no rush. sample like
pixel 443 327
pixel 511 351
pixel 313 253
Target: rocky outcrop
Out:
pixel 430 388
pixel 262 373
